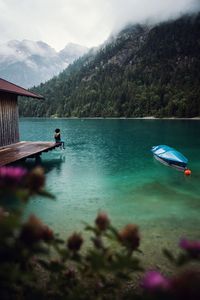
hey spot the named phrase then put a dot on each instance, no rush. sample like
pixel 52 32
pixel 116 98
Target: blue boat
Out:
pixel 169 156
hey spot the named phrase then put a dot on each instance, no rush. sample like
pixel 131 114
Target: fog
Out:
pixel 85 22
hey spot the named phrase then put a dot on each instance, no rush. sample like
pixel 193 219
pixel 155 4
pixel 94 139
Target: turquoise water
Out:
pixel 107 165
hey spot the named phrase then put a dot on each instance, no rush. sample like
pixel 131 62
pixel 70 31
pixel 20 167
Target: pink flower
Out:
pixel 129 236
pixel 75 242
pixel 34 231
pixel 102 221
pixel 36 179
pixel 153 281
pixel 192 247
pixel 11 176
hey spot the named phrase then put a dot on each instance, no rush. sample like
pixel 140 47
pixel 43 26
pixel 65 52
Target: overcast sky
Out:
pixel 86 22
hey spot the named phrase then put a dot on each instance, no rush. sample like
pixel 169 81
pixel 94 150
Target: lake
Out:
pixel 107 166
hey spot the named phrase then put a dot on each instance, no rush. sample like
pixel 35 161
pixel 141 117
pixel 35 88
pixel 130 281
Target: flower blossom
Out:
pixel 129 236
pixel 11 176
pixel 36 179
pixel 192 247
pixel 34 231
pixel 75 242
pixel 153 281
pixel 102 221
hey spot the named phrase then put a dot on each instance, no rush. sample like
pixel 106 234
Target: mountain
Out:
pixel 29 63
pixel 142 71
pixel 72 52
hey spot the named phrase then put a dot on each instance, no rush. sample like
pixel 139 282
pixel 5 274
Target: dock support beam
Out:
pixel 38 159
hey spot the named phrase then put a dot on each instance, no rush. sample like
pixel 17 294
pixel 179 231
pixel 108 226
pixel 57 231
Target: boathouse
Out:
pixel 11 149
pixel 9 127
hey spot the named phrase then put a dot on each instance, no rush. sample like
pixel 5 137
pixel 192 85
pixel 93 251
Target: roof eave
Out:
pixel 23 95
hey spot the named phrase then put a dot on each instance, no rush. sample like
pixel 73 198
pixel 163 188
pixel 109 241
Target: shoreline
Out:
pixel 112 118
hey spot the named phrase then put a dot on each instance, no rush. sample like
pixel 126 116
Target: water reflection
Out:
pixel 53 162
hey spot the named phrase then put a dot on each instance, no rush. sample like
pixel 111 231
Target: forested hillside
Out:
pixel 143 71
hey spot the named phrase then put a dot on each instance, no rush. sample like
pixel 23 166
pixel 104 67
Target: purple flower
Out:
pixel 153 281
pixel 11 176
pixel 192 247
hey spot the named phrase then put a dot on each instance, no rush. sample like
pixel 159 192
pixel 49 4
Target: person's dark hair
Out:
pixel 57 130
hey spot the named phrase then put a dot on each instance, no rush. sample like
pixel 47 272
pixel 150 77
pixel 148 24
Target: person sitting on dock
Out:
pixel 57 137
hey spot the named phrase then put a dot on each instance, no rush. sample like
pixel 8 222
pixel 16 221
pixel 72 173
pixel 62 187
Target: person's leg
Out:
pixel 59 144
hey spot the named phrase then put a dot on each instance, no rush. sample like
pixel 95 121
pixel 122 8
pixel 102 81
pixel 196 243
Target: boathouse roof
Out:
pixel 6 86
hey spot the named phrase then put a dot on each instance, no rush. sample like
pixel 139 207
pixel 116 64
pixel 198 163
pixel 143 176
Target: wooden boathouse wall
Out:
pixel 9 131
pixel 9 128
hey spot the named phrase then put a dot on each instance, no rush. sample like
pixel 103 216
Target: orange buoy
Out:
pixel 187 172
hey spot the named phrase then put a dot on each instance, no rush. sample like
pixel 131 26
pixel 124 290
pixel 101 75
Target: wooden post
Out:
pixel 9 127
pixel 38 159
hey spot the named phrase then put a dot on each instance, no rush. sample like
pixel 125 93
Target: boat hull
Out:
pixel 170 164
pixel 170 157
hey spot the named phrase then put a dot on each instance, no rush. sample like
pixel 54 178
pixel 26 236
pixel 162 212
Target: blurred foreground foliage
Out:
pixel 36 264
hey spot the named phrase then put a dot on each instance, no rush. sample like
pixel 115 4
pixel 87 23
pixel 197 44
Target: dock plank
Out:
pixel 22 150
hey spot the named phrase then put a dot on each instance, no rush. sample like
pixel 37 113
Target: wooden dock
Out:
pixel 22 150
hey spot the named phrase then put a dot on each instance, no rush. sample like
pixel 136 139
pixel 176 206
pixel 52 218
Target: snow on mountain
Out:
pixel 72 52
pixel 28 63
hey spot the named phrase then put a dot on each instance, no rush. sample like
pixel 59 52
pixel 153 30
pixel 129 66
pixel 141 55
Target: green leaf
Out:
pixel 91 228
pixel 182 259
pixel 45 193
pixel 169 255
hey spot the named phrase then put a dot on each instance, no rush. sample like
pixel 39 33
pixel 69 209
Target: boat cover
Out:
pixel 169 154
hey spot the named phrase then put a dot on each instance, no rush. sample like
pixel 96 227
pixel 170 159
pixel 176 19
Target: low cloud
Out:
pixel 22 50
pixel 86 22
pixel 134 11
